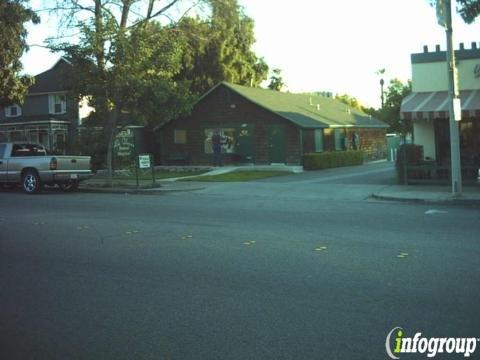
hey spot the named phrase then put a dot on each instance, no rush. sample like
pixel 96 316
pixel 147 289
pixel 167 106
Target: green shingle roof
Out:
pixel 302 109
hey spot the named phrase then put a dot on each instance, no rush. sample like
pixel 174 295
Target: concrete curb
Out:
pixel 153 191
pixel 449 201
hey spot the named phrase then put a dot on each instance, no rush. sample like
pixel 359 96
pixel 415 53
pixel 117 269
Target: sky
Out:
pixel 324 45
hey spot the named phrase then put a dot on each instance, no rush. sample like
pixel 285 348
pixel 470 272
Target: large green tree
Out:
pixel 276 80
pixel 219 48
pixel 390 112
pixel 349 100
pixel 125 62
pixel 468 9
pixel 14 14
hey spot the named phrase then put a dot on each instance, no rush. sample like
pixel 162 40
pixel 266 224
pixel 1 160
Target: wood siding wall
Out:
pixel 224 108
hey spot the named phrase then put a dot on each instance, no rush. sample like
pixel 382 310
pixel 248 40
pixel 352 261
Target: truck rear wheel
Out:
pixel 31 182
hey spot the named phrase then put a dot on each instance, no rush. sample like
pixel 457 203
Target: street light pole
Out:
pixel 453 98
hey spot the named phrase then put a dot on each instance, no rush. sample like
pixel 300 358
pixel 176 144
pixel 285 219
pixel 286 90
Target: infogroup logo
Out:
pixel 397 343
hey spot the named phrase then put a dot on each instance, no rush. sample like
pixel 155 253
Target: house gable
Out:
pixel 54 80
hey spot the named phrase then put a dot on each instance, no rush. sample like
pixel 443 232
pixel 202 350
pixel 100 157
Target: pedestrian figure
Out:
pixel 355 141
pixel 217 142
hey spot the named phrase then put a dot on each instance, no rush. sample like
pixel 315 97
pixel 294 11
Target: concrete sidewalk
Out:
pixel 172 184
pixel 163 187
pixel 428 193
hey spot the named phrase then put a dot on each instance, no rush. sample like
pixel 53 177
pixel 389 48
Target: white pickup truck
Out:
pixel 30 166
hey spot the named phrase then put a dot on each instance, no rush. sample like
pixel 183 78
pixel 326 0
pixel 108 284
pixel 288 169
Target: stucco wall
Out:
pixel 425 136
pixel 433 76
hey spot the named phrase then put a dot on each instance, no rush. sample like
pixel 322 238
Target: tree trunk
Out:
pixel 111 131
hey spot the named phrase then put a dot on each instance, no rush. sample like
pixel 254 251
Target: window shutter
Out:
pixel 19 110
pixel 51 104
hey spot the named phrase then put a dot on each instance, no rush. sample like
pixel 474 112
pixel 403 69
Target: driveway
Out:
pixel 347 183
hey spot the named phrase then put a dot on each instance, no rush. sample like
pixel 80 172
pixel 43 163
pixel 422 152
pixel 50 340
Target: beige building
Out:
pixel 427 107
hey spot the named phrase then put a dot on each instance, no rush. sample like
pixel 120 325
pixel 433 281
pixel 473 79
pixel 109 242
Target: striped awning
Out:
pixel 434 105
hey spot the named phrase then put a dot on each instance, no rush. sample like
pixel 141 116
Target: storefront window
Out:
pixel 228 140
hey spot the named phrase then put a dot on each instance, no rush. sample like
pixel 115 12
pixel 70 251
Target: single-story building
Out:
pixel 266 127
pixel 427 107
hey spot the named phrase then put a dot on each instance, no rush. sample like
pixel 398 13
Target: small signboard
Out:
pixel 144 161
pixel 457 109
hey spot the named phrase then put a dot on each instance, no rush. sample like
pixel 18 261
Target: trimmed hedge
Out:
pixel 331 159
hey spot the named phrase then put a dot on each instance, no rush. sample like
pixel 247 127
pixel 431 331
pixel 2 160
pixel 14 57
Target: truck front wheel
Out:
pixel 31 182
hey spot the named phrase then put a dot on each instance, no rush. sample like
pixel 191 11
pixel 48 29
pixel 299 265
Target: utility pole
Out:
pixel 444 16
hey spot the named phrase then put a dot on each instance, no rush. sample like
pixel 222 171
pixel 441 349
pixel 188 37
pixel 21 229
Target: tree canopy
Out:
pixel 13 16
pixel 276 80
pixel 219 48
pixel 136 69
pixel 349 100
pixel 468 9
pixel 390 113
pixel 125 62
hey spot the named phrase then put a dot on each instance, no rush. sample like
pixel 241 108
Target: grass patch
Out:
pixel 239 176
pixel 159 174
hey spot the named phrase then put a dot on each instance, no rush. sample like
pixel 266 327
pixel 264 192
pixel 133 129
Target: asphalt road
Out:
pixel 205 275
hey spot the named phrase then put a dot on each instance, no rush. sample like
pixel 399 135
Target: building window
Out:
pixel 180 136
pixel 57 104
pixel 13 111
pixel 318 140
pixel 227 140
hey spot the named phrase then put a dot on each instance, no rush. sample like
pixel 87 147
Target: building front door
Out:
pixel 277 144
pixel 245 145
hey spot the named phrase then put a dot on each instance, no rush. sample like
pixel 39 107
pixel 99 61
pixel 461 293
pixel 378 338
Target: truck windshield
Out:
pixel 28 150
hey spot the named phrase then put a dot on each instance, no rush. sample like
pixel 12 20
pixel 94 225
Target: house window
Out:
pixel 180 136
pixel 57 104
pixel 318 140
pixel 227 140
pixel 13 111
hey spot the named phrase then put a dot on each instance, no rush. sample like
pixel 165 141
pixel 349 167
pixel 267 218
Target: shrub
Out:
pixel 331 159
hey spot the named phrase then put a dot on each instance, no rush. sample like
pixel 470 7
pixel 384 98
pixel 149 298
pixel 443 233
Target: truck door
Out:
pixel 3 163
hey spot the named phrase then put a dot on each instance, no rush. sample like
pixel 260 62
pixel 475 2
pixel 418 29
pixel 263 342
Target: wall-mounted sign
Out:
pixel 476 71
